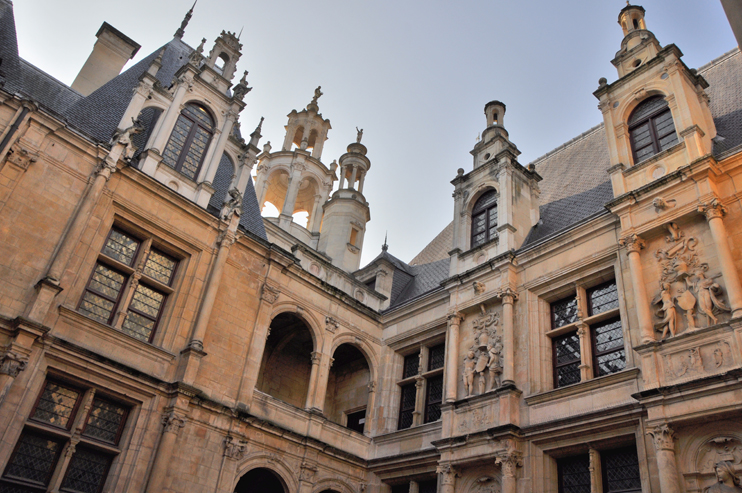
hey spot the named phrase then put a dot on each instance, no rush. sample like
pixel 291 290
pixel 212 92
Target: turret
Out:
pixel 347 212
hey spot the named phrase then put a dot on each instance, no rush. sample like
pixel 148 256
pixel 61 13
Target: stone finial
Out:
pixel 385 246
pixel 317 94
pixel 181 30
pixel 359 135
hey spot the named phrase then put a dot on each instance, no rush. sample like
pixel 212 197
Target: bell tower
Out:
pixel 347 212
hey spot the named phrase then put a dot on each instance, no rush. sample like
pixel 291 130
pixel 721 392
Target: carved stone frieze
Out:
pixel 485 355
pixel 684 285
pixel 719 449
pixel 331 325
pixel 700 360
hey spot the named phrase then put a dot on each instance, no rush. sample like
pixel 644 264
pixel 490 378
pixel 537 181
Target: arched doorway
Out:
pixel 287 360
pixel 347 388
pixel 260 480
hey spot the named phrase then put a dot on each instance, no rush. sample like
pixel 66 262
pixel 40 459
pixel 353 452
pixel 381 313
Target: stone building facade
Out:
pixel 576 328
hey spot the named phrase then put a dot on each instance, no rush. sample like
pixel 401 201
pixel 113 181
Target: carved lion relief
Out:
pixel 684 285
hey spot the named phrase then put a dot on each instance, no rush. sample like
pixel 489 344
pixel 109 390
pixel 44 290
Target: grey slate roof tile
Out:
pixel 46 90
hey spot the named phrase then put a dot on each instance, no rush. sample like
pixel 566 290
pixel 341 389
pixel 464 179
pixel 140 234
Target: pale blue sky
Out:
pixel 414 74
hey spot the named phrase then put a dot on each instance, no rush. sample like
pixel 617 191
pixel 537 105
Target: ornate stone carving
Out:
pixel 485 484
pixel 664 437
pixel 633 243
pixel 700 360
pixel 241 89
pixel 448 474
pixel 317 94
pixel 232 205
pixel 509 459
pixel 712 209
pixel 719 449
pixel 12 363
pixel 172 423
pixel 507 295
pixel 359 135
pixel 485 355
pixel 726 479
pixel 21 156
pixel 269 293
pixel 661 204
pixel 226 238
pixel 331 325
pixel 479 287
pixel 683 274
pixel 307 472
pixel 234 449
pixel 123 137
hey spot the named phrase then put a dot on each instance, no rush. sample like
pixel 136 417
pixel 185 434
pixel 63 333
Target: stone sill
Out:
pixel 587 386
pixel 657 157
pixel 468 401
pixel 107 331
pixel 408 432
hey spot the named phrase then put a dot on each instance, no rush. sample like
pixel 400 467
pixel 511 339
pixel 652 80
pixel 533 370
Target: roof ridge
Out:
pixel 718 60
pixel 568 143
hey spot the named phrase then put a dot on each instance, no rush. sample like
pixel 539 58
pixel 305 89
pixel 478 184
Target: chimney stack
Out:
pixel 110 53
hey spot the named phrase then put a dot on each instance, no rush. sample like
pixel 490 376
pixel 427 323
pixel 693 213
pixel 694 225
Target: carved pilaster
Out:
pixel 448 474
pixel 269 293
pixel 664 437
pixel 234 449
pixel 633 243
pixel 12 363
pixel 712 209
pixel 509 460
pixel 172 423
pixel 507 295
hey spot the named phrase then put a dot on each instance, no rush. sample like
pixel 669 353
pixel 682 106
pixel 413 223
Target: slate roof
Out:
pixel 97 115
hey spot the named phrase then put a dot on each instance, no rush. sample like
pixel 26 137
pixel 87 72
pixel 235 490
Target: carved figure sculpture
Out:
pixel 706 290
pixel 359 136
pixel 124 137
pixel 495 367
pixel 726 480
pixel 233 204
pixel 317 94
pixel 482 360
pixel 486 352
pixel 470 363
pixel 667 311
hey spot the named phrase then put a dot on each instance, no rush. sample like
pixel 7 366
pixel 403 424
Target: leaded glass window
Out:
pixel 34 459
pixel 434 399
pixel 608 347
pixel 102 293
pixel 143 312
pixel 484 219
pixel 436 357
pixel 621 471
pixel 566 359
pixel 87 471
pixel 121 246
pixel 574 474
pixel 105 421
pixel 407 406
pixel 564 312
pixel 160 267
pixel 651 128
pixel 602 298
pixel 57 405
pixel 189 141
pixel 411 362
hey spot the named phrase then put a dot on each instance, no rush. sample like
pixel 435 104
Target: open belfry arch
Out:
pixel 577 327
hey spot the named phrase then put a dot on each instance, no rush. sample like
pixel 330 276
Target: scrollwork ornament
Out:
pixel 331 325
pixel 234 449
pixel 509 459
pixel 712 209
pixel 269 293
pixel 664 437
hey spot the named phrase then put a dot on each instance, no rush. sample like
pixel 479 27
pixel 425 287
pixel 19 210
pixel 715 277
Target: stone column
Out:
pixel 585 351
pixel 311 391
pixel 509 460
pixel 452 356
pixel 448 478
pixel 418 415
pixel 172 423
pixel 352 183
pixel 596 474
pixel 414 487
pixel 715 211
pixel 664 446
pixel 12 363
pixel 234 451
pixel 360 182
pixel 508 297
pixel 315 220
pixel 342 177
pixel 292 191
pixel 634 244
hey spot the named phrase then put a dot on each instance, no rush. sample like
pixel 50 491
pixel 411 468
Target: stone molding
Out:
pixel 632 242
pixel 663 436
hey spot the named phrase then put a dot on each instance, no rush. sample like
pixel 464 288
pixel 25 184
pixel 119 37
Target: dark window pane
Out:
pixel 434 398
pixel 436 357
pixel 564 312
pixel 608 347
pixel 177 141
pixel 566 359
pixel 33 459
pixel 121 247
pixel 428 486
pixel 574 474
pixel 56 405
pixel 485 201
pixel 104 421
pixel 407 406
pixel 668 141
pixel 411 362
pixel 484 219
pixel 602 298
pixel 159 267
pixel 647 108
pixel 357 420
pixel 87 471
pixel 7 487
pixel 621 471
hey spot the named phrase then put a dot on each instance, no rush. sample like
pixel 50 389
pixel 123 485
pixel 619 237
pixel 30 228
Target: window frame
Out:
pixel 419 380
pixel 178 165
pixel 486 211
pixel 146 245
pixel 650 119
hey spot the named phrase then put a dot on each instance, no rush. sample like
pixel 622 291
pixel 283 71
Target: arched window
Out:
pixel 188 143
pixel 651 129
pixel 484 219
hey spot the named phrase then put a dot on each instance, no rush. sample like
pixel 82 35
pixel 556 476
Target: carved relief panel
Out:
pixel 483 360
pixel 712 458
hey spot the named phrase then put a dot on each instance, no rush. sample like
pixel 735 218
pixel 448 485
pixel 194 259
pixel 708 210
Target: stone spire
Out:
pixel 255 136
pixel 181 30
pixel 385 247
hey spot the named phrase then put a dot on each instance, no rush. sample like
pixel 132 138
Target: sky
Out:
pixel 414 74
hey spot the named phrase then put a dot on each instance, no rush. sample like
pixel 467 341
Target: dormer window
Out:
pixel 484 219
pixel 651 129
pixel 189 141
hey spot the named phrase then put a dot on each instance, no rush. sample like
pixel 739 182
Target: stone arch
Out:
pixel 275 187
pixel 274 464
pixel 307 315
pixel 347 399
pixel 363 346
pixel 332 484
pixel 305 197
pixel 480 190
pixel 709 443
pixel 287 363
pixel 149 117
pixel 218 120
pixel 298 136
pixel 650 91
